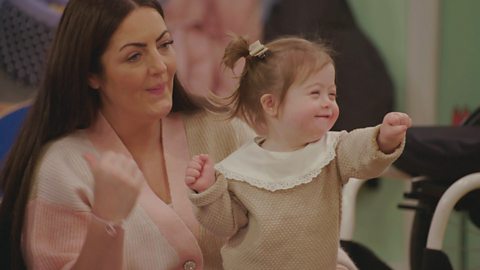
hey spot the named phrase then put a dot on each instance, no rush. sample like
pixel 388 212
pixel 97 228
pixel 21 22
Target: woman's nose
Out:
pixel 157 64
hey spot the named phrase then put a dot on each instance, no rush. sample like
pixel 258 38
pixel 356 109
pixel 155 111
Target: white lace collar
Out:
pixel 279 170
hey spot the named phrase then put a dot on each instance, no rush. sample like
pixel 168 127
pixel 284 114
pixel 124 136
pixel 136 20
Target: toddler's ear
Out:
pixel 269 104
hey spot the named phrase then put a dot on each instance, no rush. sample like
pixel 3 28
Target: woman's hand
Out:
pixel 118 181
pixel 392 131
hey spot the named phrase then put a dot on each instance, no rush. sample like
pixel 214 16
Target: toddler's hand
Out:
pixel 200 173
pixel 392 131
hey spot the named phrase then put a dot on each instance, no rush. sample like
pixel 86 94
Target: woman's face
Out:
pixel 138 68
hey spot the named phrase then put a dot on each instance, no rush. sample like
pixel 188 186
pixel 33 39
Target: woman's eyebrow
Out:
pixel 139 44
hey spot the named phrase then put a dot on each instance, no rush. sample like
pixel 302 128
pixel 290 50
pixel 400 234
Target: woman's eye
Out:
pixel 315 93
pixel 133 57
pixel 165 44
pixel 332 96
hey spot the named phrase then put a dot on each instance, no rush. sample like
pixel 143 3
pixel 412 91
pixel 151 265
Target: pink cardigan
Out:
pixel 156 235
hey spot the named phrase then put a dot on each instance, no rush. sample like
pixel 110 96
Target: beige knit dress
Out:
pixel 282 210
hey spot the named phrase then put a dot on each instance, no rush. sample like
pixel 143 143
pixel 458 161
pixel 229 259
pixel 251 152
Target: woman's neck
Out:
pixel 139 137
pixel 143 141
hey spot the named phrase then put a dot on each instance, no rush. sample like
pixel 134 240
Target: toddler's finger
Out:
pixel 205 159
pixel 197 158
pixel 407 121
pixel 195 165
pixel 193 172
pixel 189 180
pixel 399 129
pixel 403 119
pixel 203 156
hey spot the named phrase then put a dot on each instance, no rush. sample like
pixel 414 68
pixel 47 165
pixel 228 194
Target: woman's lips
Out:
pixel 157 90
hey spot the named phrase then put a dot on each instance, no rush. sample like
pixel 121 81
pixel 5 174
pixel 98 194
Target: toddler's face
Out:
pixel 310 109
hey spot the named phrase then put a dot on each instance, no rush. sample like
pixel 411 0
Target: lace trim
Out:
pixel 285 183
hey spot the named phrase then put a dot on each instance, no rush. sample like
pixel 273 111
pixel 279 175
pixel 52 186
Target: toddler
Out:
pixel 278 198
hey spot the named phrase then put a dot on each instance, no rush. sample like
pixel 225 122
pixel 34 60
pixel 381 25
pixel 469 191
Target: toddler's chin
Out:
pixel 317 136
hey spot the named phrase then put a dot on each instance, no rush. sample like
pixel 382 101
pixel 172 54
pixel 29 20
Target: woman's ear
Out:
pixel 94 81
pixel 269 104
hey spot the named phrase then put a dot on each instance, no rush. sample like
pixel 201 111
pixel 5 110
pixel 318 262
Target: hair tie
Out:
pixel 257 49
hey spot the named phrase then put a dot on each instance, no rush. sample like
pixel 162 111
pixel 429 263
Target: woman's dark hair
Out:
pixel 65 102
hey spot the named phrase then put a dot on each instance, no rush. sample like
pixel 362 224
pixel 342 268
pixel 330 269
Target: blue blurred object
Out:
pixel 40 10
pixel 10 126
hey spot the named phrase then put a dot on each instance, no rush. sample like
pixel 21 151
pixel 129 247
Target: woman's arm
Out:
pixel 75 212
pixel 58 236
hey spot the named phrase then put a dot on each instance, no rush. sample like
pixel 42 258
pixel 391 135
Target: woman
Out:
pixel 74 196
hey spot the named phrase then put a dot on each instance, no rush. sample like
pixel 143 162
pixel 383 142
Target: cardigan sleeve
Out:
pixel 54 236
pixel 58 213
pixel 218 210
pixel 359 156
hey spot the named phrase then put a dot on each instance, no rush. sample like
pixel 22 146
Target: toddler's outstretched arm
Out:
pixel 200 173
pixel 392 131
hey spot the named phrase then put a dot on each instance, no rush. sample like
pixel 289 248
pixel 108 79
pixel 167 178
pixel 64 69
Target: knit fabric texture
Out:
pixel 60 203
pixel 296 228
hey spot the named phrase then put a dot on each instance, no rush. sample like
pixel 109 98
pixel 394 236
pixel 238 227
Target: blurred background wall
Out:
pixel 456 81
